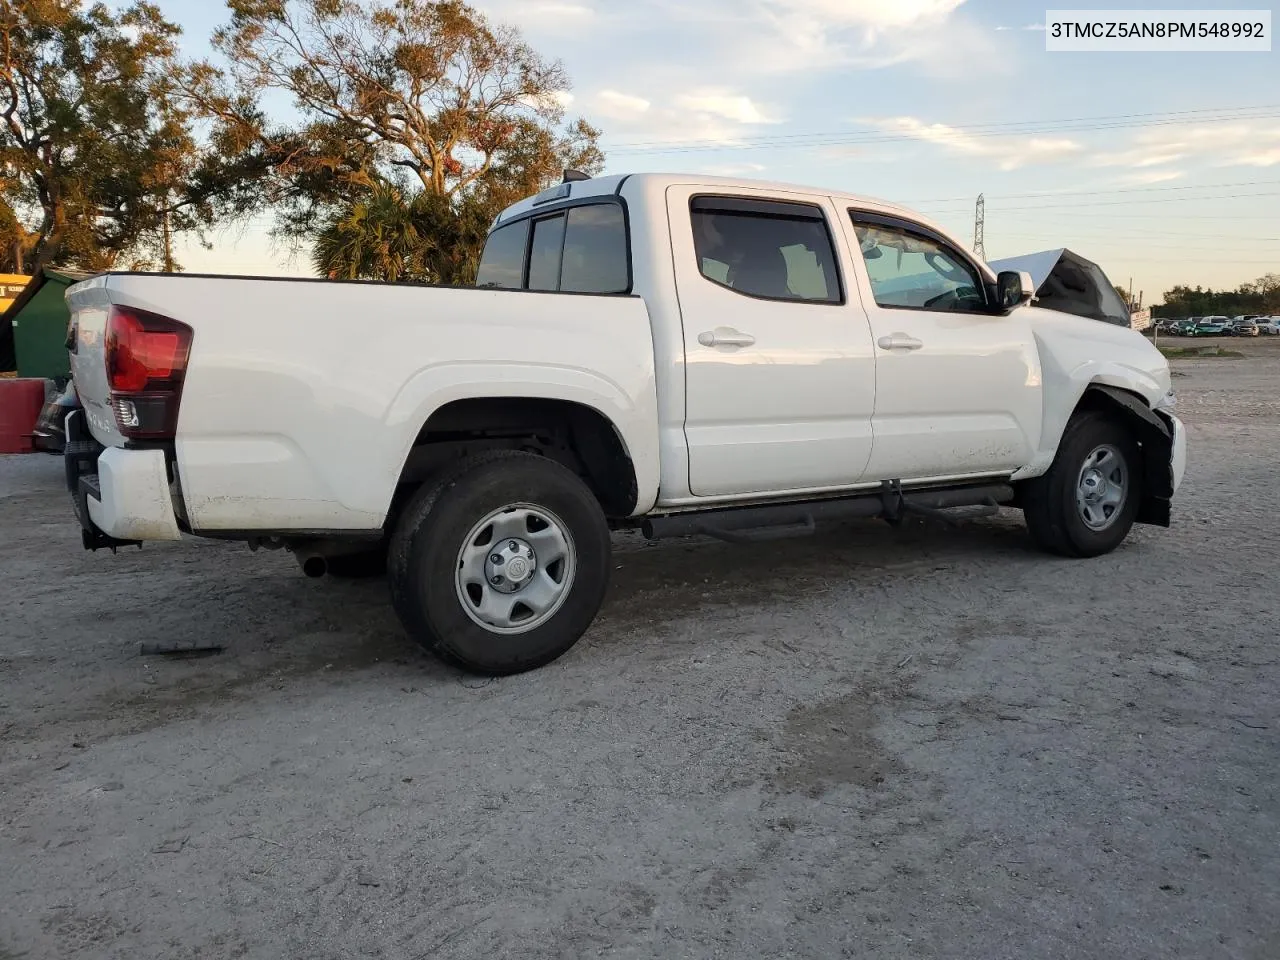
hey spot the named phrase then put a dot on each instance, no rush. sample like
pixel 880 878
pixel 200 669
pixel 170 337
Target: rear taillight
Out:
pixel 146 357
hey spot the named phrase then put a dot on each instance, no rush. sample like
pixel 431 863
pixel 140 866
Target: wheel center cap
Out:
pixel 510 565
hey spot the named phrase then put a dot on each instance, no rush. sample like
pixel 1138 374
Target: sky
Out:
pixel 1162 167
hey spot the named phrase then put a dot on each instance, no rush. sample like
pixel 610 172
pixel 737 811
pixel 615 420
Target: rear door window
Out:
pixel 773 250
pixel 595 250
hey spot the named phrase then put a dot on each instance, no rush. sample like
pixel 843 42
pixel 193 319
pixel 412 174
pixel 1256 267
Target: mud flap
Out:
pixel 1155 437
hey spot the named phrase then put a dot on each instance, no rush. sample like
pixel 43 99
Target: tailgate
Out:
pixel 88 302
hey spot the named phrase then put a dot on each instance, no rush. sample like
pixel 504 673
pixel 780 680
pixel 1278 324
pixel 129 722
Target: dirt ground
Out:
pixel 871 743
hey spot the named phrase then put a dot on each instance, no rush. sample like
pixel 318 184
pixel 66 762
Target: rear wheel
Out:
pixel 1086 504
pixel 500 565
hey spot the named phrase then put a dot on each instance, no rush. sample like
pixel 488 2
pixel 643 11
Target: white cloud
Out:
pixel 872 14
pixel 1251 144
pixel 1258 158
pixel 557 100
pixel 719 117
pixel 728 106
pixel 1152 176
pixel 1009 152
pixel 615 105
pixel 1137 157
pixel 534 12
pixel 794 36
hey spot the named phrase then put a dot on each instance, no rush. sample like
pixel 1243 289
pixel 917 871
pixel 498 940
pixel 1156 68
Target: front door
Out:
pixel 957 386
pixel 779 363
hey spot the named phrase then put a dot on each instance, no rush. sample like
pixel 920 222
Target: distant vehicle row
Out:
pixel 1250 326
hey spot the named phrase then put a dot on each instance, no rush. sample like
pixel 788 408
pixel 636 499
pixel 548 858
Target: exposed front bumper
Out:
pixel 121 496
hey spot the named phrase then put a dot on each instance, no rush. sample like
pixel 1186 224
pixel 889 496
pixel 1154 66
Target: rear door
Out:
pixel 779 364
pixel 958 386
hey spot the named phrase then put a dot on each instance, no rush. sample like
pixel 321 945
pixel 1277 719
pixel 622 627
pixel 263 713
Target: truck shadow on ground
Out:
pixel 278 628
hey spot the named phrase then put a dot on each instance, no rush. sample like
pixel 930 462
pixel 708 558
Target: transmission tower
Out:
pixel 979 223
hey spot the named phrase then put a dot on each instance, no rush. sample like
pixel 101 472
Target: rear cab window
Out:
pixel 579 249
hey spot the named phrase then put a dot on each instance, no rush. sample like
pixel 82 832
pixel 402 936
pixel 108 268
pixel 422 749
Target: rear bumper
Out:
pixel 121 496
pixel 1178 456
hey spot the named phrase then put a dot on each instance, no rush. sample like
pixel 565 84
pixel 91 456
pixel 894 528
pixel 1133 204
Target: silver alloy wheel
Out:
pixel 1103 487
pixel 515 568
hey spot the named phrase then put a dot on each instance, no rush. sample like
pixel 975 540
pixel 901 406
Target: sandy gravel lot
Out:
pixel 871 743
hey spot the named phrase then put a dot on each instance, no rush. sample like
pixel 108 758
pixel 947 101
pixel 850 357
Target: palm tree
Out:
pixel 383 236
pixel 374 238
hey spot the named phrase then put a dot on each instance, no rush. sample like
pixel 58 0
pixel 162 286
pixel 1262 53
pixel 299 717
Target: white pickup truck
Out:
pixel 678 354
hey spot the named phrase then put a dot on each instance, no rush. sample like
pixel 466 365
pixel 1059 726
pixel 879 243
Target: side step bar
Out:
pixel 777 521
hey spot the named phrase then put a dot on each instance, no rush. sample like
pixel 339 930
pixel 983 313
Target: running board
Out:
pixel 782 520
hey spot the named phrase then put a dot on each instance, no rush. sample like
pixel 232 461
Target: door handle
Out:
pixel 725 337
pixel 899 341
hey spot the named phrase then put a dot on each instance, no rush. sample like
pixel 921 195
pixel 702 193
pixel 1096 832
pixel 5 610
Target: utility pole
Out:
pixel 979 226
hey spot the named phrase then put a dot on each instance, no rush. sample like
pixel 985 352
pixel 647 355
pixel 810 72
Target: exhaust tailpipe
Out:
pixel 313 566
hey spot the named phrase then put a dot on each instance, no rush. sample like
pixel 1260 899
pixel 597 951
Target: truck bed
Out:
pixel 302 398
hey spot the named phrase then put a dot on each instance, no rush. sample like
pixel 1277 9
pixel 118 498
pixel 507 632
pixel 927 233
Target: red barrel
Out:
pixel 21 401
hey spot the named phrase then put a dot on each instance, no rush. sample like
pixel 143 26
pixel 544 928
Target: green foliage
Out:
pixel 97 156
pixel 1260 297
pixel 419 120
pixel 384 236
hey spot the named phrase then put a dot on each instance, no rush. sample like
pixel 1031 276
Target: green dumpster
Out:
pixel 38 318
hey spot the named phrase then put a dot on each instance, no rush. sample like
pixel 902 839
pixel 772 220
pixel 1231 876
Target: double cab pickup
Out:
pixel 679 354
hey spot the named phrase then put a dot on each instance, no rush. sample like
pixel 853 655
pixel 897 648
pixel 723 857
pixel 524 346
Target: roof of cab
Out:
pixel 602 186
pixel 643 182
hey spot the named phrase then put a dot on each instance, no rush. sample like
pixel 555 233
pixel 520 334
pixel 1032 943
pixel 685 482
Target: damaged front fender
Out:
pixel 1155 436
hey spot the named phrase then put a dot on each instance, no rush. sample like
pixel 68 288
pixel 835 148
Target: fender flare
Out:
pixel 1155 438
pixel 441 384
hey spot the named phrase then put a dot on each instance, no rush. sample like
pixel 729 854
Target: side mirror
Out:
pixel 1014 288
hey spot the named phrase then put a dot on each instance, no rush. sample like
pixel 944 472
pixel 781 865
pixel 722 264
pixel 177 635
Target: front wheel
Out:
pixel 1087 502
pixel 500 565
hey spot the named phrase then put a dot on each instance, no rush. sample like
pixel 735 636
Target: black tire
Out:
pixel 358 566
pixel 423 560
pixel 1049 502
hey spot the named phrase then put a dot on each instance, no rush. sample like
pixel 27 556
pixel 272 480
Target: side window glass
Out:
pixel 913 272
pixel 544 254
pixel 502 263
pixel 595 250
pixel 778 257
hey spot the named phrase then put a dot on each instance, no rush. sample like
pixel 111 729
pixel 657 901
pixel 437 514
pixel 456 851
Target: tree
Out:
pixel 98 159
pixel 417 118
pixel 386 236
pixel 1261 296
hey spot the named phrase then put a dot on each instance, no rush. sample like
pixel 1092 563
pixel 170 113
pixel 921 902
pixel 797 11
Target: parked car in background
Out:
pixel 1269 326
pixel 1211 327
pixel 1244 327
